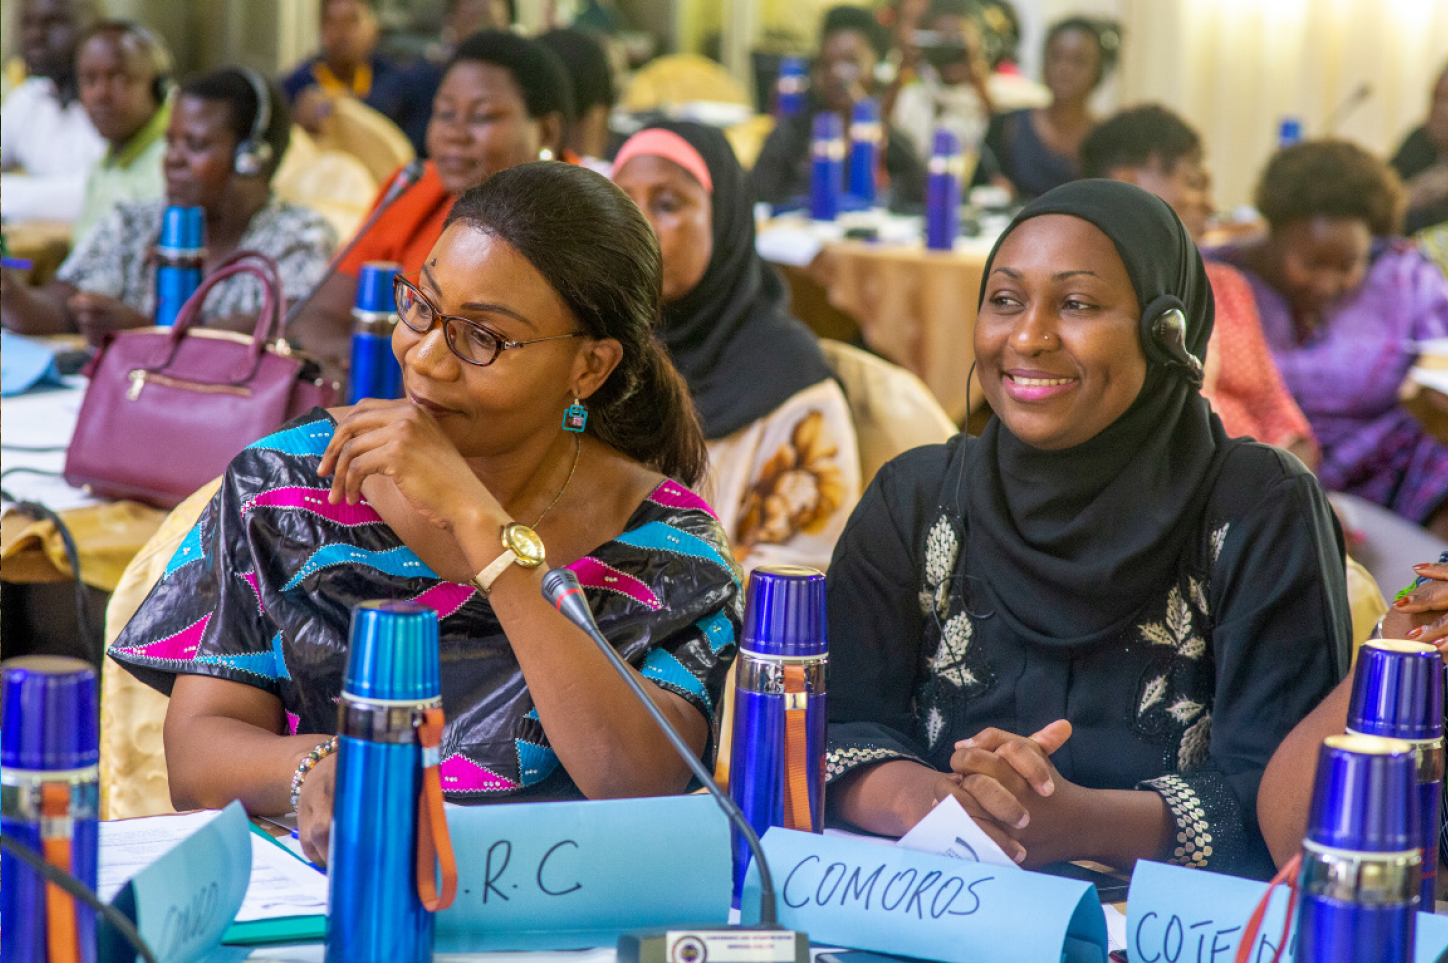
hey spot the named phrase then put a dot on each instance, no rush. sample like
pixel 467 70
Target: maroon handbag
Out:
pixel 168 408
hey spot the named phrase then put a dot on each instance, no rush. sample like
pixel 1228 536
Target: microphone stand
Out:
pixel 405 178
pixel 560 587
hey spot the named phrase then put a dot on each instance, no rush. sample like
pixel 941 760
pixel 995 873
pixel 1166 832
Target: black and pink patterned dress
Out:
pixel 261 591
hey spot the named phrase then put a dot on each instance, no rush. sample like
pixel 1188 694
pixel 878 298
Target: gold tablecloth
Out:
pixel 914 307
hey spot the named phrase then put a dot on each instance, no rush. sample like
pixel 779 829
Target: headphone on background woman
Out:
pixel 254 154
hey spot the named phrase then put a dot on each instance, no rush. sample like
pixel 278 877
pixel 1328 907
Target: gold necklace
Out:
pixel 577 450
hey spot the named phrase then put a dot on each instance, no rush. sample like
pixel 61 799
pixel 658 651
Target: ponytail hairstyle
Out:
pixel 594 247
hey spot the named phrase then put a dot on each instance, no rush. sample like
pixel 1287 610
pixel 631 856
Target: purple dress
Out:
pixel 1346 375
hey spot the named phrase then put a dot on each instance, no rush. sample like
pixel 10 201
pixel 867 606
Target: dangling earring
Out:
pixel 546 154
pixel 575 417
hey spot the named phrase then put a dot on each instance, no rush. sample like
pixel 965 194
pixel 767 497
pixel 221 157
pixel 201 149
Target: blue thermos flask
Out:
pixel 1397 692
pixel 388 802
pixel 827 166
pixel 180 252
pixel 790 88
pixel 375 372
pixel 777 762
pixel 865 138
pixel 1359 883
pixel 49 797
pixel 942 191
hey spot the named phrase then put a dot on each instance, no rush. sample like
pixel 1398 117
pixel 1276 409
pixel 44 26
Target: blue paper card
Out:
pixel 24 364
pixel 567 875
pixel 1179 914
pixel 844 892
pixel 184 901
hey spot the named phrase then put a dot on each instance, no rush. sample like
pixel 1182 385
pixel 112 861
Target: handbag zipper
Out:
pixel 140 376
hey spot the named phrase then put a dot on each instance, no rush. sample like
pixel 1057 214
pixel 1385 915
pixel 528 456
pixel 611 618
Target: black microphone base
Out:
pixel 714 944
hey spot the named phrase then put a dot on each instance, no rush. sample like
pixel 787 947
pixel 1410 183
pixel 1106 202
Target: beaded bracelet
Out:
pixel 308 763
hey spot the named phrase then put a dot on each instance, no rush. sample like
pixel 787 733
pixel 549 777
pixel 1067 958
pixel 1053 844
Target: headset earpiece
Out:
pixel 1164 338
pixel 254 154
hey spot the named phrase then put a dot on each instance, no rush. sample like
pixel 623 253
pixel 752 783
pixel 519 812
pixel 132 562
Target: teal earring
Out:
pixel 575 417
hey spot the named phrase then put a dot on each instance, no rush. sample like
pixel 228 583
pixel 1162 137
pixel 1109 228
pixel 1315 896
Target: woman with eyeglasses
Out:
pixel 542 419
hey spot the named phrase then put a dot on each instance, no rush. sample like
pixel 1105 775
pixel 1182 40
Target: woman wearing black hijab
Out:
pixel 1094 623
pixel 784 468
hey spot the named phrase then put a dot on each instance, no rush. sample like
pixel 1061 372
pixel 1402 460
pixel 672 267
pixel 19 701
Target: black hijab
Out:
pixel 732 337
pixel 1071 544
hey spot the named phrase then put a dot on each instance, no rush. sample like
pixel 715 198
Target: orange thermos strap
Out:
pixel 1287 876
pixel 62 934
pixel 434 846
pixel 796 750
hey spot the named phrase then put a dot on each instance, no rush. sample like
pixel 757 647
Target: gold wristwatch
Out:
pixel 521 547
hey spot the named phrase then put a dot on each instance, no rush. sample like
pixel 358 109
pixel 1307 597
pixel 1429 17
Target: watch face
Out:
pixel 525 543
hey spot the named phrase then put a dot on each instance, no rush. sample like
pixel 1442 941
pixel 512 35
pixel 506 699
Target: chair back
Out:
pixel 133 715
pixel 335 184
pixel 354 128
pixel 892 409
pixel 681 79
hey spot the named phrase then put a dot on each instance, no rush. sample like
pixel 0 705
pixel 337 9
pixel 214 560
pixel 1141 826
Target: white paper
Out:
pixel 1115 928
pixel 281 884
pixel 42 419
pixel 1434 378
pixel 948 830
pixel 794 245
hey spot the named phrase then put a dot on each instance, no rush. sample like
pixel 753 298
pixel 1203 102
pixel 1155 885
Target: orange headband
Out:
pixel 657 142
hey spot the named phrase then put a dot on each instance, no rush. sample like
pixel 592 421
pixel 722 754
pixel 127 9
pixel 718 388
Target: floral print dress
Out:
pixel 785 484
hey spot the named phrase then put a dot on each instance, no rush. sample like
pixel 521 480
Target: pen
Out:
pixel 16 263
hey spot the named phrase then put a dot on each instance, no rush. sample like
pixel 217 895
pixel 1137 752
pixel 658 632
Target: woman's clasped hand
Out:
pixel 1008 784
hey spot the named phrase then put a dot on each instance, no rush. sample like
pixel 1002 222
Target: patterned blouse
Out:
pixel 786 484
pixel 1249 632
pixel 114 257
pixel 261 592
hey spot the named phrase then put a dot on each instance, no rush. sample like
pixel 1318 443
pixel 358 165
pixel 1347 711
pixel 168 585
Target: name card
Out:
pixel 183 902
pixel 1179 915
pixel 568 875
pixel 855 894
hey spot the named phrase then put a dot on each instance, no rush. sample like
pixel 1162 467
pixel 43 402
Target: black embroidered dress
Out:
pixel 1247 634
pixel 261 592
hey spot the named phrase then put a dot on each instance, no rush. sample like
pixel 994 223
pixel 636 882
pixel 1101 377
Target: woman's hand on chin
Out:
pixel 314 809
pixel 399 441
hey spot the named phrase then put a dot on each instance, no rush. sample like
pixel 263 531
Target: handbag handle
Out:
pixel 268 321
pixel 268 264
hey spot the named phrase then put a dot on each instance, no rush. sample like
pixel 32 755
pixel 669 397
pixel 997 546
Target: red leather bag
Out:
pixel 168 408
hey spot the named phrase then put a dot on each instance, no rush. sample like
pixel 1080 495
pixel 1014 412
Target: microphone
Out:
pixel 403 180
pixel 1351 102
pixel 561 588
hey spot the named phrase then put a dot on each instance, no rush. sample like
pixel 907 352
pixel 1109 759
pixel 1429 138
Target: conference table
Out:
pixel 910 305
pixel 44 244
pixel 108 533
